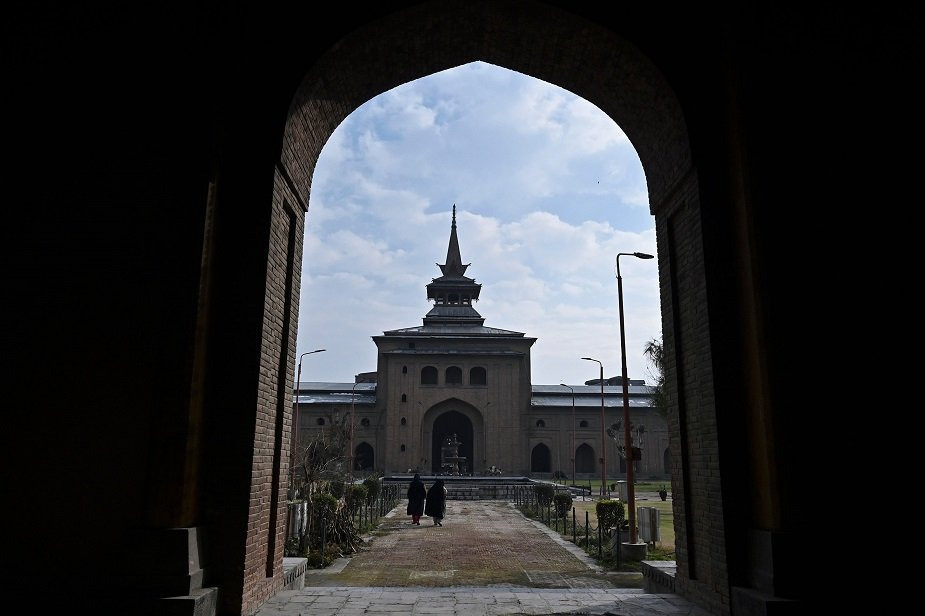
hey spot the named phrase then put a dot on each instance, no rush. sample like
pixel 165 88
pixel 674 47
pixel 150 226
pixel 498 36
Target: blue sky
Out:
pixel 547 189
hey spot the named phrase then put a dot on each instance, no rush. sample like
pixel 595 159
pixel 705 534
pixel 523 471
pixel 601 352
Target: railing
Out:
pixel 591 538
pixel 369 512
pixel 363 515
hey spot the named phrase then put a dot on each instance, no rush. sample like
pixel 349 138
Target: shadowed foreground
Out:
pixel 486 559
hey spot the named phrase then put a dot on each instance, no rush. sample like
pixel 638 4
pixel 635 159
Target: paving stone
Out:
pixel 487 560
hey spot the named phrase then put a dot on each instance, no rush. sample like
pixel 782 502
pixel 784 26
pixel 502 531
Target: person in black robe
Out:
pixel 435 505
pixel 417 493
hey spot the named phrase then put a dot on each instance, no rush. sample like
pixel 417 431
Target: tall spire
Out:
pixel 454 292
pixel 454 267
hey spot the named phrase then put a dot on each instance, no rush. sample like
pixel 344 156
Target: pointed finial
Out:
pixel 454 214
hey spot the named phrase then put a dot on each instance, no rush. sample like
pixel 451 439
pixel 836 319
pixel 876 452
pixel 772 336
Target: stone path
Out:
pixel 486 559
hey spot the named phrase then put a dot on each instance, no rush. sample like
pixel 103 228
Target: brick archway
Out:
pixel 158 261
pixel 441 420
pixel 451 424
pixel 585 461
pixel 554 46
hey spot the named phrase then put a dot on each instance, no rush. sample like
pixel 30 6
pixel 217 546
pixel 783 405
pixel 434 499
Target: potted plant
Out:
pixel 663 493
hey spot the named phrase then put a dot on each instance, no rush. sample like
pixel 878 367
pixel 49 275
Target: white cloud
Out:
pixel 548 191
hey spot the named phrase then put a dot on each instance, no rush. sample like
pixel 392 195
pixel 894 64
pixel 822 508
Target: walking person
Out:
pixel 417 494
pixel 435 505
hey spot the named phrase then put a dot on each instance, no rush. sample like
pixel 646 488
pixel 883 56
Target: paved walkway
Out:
pixel 486 559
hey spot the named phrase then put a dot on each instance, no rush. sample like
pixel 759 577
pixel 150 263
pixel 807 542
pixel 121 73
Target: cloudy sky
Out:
pixel 547 189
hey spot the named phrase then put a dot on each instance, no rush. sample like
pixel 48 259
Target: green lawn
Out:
pixel 643 499
pixel 640 486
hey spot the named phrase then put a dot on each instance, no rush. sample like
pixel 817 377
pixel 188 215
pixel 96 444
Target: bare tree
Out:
pixel 319 460
pixel 655 351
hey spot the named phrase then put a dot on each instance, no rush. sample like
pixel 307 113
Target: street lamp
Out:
pixel 295 423
pixel 353 394
pixel 627 439
pixel 573 430
pixel 603 422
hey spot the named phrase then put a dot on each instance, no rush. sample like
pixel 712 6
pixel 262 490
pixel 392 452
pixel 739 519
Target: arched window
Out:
pixel 540 459
pixel 428 375
pixel 363 457
pixel 321 421
pixel 403 421
pixel 540 423
pixel 404 397
pixel 584 459
pixel 583 423
pixel 452 299
pixel 365 422
pixel 454 375
pixel 402 447
pixel 404 369
pixel 477 376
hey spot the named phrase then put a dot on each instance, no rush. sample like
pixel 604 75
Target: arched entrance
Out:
pixel 649 115
pixel 629 88
pixel 447 426
pixel 540 459
pixel 363 457
pixel 221 387
pixel 584 459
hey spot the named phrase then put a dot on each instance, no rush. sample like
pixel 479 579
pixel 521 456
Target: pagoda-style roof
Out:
pixel 453 293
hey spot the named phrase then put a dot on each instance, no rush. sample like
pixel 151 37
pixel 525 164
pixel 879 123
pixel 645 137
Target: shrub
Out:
pixel 544 493
pixel 559 475
pixel 373 488
pixel 332 520
pixel 563 503
pixel 355 496
pixel 319 560
pixel 610 513
pixel 336 488
pixel 324 506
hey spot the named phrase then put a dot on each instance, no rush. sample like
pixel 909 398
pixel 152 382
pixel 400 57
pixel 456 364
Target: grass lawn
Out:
pixel 641 486
pixel 643 499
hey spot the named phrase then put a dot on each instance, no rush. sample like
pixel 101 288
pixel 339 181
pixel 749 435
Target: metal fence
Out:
pixel 595 540
pixel 365 514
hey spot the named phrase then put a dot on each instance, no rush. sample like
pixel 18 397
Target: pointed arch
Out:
pixel 446 418
pixel 363 457
pixel 584 459
pixel 540 459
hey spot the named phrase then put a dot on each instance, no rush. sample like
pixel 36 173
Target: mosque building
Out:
pixel 452 396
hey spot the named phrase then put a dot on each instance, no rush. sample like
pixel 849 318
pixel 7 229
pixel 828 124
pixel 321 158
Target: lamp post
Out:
pixel 603 426
pixel 353 395
pixel 573 430
pixel 295 422
pixel 627 438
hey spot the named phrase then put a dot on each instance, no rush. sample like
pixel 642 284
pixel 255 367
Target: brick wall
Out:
pixel 611 73
pixel 697 498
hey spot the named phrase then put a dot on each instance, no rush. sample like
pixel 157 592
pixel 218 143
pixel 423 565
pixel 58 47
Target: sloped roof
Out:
pixel 587 397
pixel 443 330
pixel 336 393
